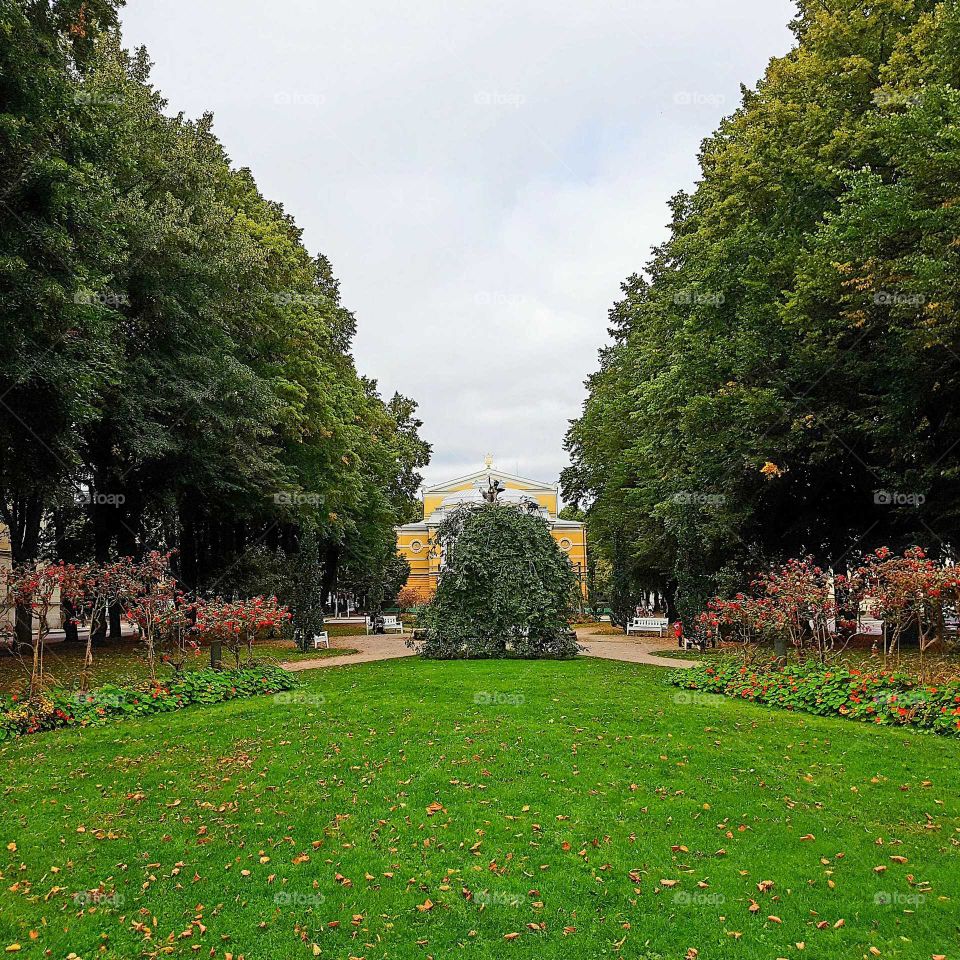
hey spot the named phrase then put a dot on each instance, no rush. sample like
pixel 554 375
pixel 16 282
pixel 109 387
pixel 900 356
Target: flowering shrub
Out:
pixel 818 611
pixel 873 696
pixel 71 708
pixel 237 623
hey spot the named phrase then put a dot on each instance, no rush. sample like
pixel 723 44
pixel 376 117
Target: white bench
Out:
pixel 317 639
pixel 657 625
pixel 389 623
pixel 869 627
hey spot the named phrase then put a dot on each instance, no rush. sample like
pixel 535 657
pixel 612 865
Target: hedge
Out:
pixel 72 708
pixel 869 696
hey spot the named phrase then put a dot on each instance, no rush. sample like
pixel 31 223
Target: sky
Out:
pixel 482 176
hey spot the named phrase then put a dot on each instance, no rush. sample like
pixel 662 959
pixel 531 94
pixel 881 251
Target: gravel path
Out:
pixel 616 647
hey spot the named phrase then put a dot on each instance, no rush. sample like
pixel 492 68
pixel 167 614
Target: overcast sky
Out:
pixel 481 175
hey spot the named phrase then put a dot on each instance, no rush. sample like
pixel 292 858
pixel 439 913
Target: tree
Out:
pixel 792 351
pixel 238 623
pixel 58 232
pixel 32 587
pixel 176 368
pixel 505 588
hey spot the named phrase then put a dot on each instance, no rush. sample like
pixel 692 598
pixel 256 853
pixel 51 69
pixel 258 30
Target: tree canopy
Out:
pixel 175 369
pixel 784 379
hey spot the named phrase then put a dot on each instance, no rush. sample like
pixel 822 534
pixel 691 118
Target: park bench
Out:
pixel 316 639
pixel 389 623
pixel 870 627
pixel 657 625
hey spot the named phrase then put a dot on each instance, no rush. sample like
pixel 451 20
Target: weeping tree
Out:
pixel 506 588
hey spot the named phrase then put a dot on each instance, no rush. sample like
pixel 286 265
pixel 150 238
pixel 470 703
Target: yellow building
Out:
pixel 416 543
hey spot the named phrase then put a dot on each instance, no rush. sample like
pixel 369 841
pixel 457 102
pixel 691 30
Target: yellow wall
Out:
pixel 425 562
pixel 546 499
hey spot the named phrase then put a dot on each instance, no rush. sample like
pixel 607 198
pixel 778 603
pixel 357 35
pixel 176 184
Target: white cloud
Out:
pixel 482 176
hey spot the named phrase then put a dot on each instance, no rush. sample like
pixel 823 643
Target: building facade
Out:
pixel 416 542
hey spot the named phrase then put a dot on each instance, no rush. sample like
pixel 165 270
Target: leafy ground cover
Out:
pixel 832 690
pixel 405 809
pixel 70 708
pixel 125 662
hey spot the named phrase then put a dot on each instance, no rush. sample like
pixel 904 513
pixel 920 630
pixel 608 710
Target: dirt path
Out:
pixel 375 647
pixel 633 650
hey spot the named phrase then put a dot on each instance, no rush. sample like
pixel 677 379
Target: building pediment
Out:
pixel 481 478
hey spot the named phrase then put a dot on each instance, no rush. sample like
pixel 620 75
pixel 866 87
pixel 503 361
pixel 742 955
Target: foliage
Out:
pixel 505 589
pixel 780 381
pixel 837 690
pixel 176 367
pixel 238 623
pixel 810 608
pixel 412 597
pixel 68 708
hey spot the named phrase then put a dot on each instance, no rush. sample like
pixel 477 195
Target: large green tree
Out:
pixel 177 368
pixel 793 349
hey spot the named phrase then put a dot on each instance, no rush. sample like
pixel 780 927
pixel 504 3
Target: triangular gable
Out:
pixel 480 478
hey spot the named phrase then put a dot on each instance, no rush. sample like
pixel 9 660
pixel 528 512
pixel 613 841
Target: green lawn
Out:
pixel 125 662
pixel 412 809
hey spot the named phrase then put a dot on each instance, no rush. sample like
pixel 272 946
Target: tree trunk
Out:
pixel 669 594
pixel 331 563
pixel 115 625
pixel 67 614
pixel 23 516
pixel 780 648
pixel 187 555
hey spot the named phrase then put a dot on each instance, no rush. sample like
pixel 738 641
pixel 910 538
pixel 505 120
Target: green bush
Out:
pixel 507 589
pixel 72 708
pixel 869 696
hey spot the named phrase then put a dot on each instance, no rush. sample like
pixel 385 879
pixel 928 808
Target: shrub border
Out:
pixel 60 708
pixel 887 699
